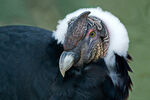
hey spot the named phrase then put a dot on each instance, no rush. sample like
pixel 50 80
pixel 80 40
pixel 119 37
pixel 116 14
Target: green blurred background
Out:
pixel 135 14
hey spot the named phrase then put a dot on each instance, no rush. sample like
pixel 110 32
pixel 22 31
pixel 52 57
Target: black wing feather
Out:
pixel 123 68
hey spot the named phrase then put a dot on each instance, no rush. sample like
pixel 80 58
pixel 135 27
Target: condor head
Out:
pixel 86 41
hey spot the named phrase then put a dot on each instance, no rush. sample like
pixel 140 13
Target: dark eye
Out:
pixel 92 34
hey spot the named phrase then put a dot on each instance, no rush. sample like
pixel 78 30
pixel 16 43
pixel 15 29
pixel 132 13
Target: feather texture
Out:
pixel 29 59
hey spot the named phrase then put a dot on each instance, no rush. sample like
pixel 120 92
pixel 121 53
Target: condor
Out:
pixel 85 58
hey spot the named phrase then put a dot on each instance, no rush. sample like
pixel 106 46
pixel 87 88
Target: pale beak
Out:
pixel 66 61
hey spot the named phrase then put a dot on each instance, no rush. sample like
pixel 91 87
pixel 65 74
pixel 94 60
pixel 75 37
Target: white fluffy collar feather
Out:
pixel 118 34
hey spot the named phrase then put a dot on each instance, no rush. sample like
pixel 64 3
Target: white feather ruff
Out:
pixel 118 34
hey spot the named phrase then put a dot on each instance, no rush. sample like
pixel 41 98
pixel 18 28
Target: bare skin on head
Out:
pixel 87 40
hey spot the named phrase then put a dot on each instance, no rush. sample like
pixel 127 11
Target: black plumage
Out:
pixel 29 70
pixel 26 68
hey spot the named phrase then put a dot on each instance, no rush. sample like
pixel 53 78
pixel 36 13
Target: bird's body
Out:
pixel 29 69
pixel 26 71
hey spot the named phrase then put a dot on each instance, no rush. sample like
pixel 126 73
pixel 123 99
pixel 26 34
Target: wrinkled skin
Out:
pixel 86 40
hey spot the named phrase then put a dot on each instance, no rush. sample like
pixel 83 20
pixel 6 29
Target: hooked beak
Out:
pixel 66 61
pixel 74 35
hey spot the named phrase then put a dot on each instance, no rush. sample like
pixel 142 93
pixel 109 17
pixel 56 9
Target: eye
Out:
pixel 92 34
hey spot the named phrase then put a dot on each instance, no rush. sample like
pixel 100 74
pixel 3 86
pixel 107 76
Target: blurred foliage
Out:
pixel 135 14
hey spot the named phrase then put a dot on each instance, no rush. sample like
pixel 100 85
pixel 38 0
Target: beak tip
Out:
pixel 63 74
